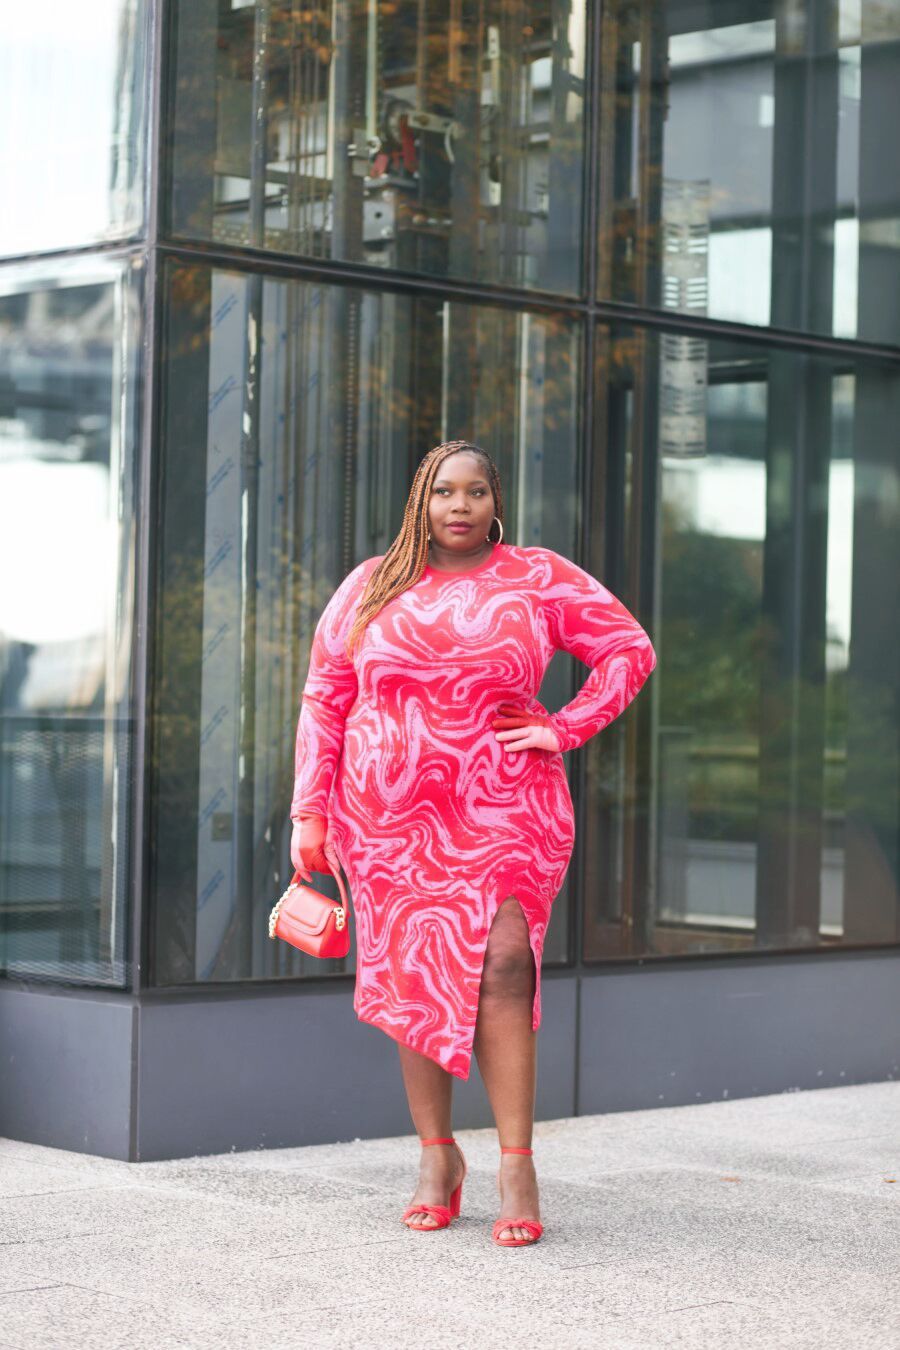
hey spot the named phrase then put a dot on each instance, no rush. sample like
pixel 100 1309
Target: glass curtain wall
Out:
pixel 746 165
pixel 74 113
pixel 444 139
pixel 69 334
pixel 752 800
pixel 743 492
pixel 294 415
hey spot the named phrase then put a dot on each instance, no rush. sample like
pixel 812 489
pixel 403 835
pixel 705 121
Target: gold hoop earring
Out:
pixel 500 523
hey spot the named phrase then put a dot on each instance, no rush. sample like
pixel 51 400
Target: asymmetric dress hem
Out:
pixel 458 1061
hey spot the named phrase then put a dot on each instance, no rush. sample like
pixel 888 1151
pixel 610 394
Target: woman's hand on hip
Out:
pixel 308 846
pixel 524 729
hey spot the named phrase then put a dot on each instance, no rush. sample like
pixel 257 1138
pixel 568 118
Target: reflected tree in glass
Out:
pixel 292 465
pixel 445 140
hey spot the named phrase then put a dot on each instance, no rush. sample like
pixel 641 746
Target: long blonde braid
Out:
pixel 407 557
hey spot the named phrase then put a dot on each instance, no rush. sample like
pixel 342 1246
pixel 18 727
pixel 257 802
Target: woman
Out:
pixel 424 758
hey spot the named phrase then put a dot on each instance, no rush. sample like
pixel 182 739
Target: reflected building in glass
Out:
pixel 647 255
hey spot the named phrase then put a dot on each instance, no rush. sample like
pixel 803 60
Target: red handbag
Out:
pixel 312 922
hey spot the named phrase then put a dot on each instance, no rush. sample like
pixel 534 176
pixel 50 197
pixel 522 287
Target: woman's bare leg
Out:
pixel 506 1050
pixel 429 1090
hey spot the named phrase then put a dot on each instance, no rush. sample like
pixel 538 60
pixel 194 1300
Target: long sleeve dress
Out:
pixel 433 820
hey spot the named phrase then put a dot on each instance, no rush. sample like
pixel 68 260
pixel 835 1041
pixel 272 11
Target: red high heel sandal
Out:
pixel 533 1226
pixel 441 1212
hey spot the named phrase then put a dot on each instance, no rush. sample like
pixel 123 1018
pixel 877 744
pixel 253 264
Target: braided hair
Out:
pixel 407 556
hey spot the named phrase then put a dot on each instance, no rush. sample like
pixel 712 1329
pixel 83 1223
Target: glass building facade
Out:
pixel 260 259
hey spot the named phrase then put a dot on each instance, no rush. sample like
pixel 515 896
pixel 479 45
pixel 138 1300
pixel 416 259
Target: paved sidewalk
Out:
pixel 768 1222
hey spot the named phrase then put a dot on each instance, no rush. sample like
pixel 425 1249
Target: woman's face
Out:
pixel 461 494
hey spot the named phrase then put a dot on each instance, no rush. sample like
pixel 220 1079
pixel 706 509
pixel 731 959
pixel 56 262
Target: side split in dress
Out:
pixel 434 821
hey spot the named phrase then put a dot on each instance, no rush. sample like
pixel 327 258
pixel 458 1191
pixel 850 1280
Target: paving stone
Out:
pixel 770 1222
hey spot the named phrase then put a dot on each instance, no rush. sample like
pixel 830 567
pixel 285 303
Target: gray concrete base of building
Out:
pixel 163 1077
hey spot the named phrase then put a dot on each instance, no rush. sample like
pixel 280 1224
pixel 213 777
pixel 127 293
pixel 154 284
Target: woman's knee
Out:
pixel 508 970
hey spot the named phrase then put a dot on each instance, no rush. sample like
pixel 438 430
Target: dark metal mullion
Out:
pixel 146 493
pixel 589 215
pixel 399 283
pixel 643 541
pixel 792 724
pixel 146 592
pixel 126 244
pixel 238 950
pixel 396 281
pixel 288 267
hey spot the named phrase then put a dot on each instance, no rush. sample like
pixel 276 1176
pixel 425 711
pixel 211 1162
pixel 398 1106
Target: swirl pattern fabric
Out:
pixel 434 822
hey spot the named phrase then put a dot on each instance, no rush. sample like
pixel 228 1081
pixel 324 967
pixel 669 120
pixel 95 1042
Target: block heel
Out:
pixel 443 1213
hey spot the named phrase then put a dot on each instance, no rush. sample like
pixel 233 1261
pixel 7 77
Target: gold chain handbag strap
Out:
pixel 331 855
pixel 343 911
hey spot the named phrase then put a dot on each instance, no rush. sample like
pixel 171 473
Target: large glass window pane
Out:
pixel 294 415
pixel 68 340
pixel 440 139
pixel 73 107
pixel 754 801
pixel 746 173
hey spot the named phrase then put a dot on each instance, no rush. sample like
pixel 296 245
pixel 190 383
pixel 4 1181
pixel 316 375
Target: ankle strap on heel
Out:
pixel 437 1141
pixel 516 1150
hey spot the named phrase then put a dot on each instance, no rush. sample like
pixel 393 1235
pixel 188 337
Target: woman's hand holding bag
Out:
pixel 524 728
pixel 308 845
pixel 309 921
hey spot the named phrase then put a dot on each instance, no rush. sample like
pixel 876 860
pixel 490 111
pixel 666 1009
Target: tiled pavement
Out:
pixel 768 1222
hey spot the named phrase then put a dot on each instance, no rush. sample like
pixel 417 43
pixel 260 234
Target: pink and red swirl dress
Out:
pixel 434 821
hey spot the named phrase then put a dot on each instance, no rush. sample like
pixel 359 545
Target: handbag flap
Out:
pixel 307 910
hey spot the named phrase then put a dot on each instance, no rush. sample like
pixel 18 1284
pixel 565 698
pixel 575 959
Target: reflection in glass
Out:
pixel 770 116
pixel 73 104
pixel 754 803
pixel 444 140
pixel 66 557
pixel 295 463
